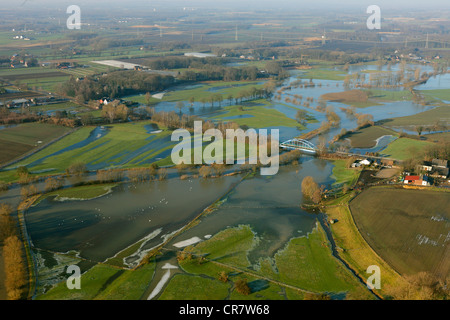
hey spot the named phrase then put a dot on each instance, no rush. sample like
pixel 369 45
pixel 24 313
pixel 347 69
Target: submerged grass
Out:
pixel 80 193
pixel 261 116
pixel 104 282
pixel 305 263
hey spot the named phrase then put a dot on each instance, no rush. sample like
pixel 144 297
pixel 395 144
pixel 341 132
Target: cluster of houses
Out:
pixel 21 37
pixel 105 101
pixel 437 169
pixel 16 103
pixel 37 101
pixel 19 61
pixel 397 56
pixel 379 163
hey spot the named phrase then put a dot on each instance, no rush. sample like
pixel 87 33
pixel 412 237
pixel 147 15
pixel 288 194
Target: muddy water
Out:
pixel 96 134
pixel 101 227
pixel 270 205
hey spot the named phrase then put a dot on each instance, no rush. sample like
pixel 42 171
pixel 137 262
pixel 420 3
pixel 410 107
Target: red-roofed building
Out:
pixel 417 180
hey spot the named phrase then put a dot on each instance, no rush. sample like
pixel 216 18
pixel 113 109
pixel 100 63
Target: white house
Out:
pixel 365 162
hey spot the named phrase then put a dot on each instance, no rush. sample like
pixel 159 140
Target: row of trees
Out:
pixel 26 115
pixel 219 73
pixel 177 62
pixel 14 262
pixel 215 71
pixel 114 84
pixel 438 150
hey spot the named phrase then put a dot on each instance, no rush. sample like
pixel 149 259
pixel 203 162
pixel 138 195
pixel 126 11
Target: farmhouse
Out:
pixel 437 168
pixel 356 165
pixel 426 166
pixel 366 162
pixel 387 163
pixel 104 101
pixel 439 172
pixel 417 180
pixel 18 103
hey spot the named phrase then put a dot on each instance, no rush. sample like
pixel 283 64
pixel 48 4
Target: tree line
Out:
pixel 15 269
pixel 114 85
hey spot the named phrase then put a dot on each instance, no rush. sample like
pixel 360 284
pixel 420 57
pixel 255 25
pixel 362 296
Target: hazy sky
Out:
pixel 239 4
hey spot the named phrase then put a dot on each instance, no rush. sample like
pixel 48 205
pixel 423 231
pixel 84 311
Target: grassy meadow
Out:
pixel 404 148
pixel 304 265
pixel 421 246
pixel 113 149
pixel 366 138
pixel 103 282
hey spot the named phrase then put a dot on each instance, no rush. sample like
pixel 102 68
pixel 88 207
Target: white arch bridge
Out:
pixel 299 144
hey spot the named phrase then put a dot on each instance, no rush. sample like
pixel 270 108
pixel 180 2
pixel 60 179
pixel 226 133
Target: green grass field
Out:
pixel 389 95
pixel 308 263
pixel 305 263
pixel 407 228
pixel 261 116
pixel 228 247
pixel 405 148
pixel 207 89
pixel 103 282
pixel 442 94
pixel 323 74
pixel 80 193
pixel 188 287
pixel 426 118
pixel 202 90
pixel 67 106
pixel 36 77
pixel 344 175
pixel 355 250
pixel 438 137
pixel 113 149
pixel 366 138
pixel 25 72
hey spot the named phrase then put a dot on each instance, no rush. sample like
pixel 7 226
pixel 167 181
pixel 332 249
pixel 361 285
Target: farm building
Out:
pixel 417 180
pixel 17 103
pixel 439 163
pixel 437 168
pixel 387 163
pixel 366 162
pixel 426 166
pixel 439 172
pixel 199 55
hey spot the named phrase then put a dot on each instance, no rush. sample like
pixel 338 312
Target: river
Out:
pixel 100 228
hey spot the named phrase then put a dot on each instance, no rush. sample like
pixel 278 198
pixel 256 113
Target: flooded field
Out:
pixel 100 228
pixel 270 205
pixel 143 216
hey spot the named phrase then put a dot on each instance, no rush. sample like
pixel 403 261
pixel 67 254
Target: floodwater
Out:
pixel 100 228
pixel 382 143
pixel 2 127
pixel 96 134
pixel 270 205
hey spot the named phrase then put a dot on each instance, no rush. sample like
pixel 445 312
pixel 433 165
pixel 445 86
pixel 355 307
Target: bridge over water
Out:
pixel 299 144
